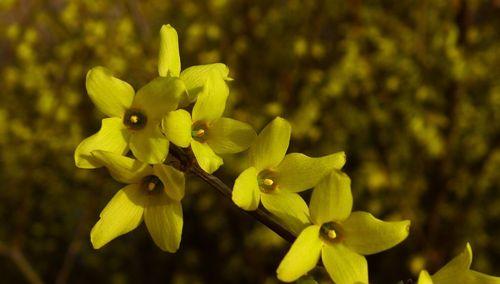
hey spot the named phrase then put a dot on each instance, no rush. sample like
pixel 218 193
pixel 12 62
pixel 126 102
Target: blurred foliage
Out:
pixel 409 89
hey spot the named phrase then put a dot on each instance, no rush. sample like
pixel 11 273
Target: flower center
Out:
pixel 199 131
pixel 267 181
pixel 331 232
pixel 152 184
pixel 135 119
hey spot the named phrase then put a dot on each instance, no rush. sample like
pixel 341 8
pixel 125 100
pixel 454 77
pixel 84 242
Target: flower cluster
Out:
pixel 146 122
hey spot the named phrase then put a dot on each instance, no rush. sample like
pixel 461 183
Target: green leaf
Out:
pixel 206 157
pixel 270 146
pixel 331 199
pixel 229 136
pixel 246 192
pixel 122 214
pixel 169 61
pixel 195 77
pixel 163 218
pixel 177 127
pixel 298 172
pixel 289 207
pixel 173 181
pixel 158 97
pixel 212 100
pixel 302 256
pixel 344 265
pixel 112 137
pixel 149 145
pixel 111 95
pixel 382 235
pixel 123 169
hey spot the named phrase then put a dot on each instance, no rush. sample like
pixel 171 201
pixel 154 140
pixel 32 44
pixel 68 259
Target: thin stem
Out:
pixel 188 164
pixel 21 262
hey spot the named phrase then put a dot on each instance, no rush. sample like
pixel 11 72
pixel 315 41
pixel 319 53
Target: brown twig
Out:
pixel 188 164
pixel 21 262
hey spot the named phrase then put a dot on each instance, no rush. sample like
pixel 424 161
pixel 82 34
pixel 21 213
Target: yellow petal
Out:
pixel 298 172
pixel 331 199
pixel 172 179
pixel 160 96
pixel 229 136
pixel 270 147
pixel 206 157
pixel 122 214
pixel 456 268
pixel 122 168
pixel 149 145
pixel 212 100
pixel 169 61
pixel 195 77
pixel 424 278
pixel 344 265
pixel 163 218
pixel 111 95
pixel 381 235
pixel 246 192
pixel 176 126
pixel 112 137
pixel 289 207
pixel 302 256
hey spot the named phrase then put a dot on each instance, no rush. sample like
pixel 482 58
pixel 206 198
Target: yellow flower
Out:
pixel 153 193
pixel 275 179
pixel 458 271
pixel 339 236
pixel 134 119
pixel 193 77
pixel 207 132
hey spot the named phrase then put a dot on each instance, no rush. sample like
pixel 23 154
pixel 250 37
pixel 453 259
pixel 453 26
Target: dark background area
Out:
pixel 409 89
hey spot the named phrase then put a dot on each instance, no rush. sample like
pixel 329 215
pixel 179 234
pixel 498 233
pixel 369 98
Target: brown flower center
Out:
pixel 135 119
pixel 152 184
pixel 267 181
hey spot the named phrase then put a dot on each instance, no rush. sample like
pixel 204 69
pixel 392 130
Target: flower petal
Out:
pixel 211 101
pixel 302 256
pixel 424 278
pixel 122 214
pixel 331 199
pixel 169 61
pixel 111 95
pixel 382 235
pixel 289 208
pixel 246 192
pixel 195 77
pixel 158 97
pixel 298 172
pixel 177 127
pixel 229 136
pixel 344 265
pixel 163 218
pixel 206 157
pixel 121 168
pixel 270 146
pixel 456 269
pixel 149 145
pixel 172 179
pixel 481 278
pixel 112 137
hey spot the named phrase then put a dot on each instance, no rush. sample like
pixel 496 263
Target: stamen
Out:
pixel 268 182
pixel 331 234
pixel 134 118
pixel 151 186
pixel 200 132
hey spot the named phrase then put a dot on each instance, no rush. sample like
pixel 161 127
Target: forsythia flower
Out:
pixel 275 178
pixel 193 77
pixel 458 271
pixel 340 237
pixel 134 120
pixel 206 131
pixel 153 193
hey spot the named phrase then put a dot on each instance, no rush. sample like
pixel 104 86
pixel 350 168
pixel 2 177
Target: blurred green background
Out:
pixel 409 89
